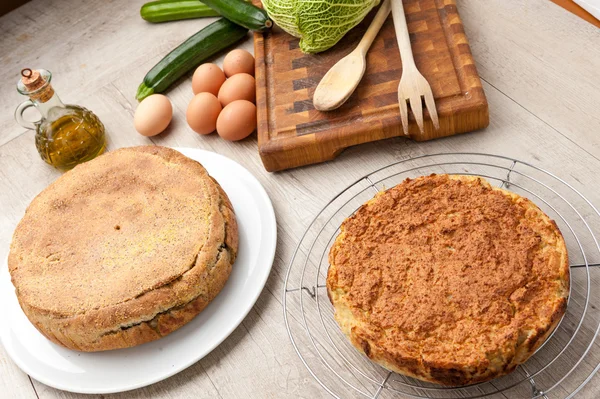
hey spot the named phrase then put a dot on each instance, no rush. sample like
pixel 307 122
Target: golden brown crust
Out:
pixel 123 250
pixel 448 280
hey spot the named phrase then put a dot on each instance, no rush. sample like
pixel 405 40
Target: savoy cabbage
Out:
pixel 318 23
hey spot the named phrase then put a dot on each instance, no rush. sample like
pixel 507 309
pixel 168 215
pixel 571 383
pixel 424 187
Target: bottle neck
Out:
pixel 45 107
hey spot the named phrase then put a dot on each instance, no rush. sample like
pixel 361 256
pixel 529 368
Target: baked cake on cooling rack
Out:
pixel 449 280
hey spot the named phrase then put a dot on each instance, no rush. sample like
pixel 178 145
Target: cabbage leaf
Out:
pixel 319 24
pixel 284 14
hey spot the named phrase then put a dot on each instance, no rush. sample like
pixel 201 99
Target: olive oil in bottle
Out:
pixel 66 135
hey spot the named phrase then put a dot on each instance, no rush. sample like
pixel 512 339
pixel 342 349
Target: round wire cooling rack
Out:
pixel 560 367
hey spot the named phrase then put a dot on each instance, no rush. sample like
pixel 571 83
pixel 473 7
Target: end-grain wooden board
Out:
pixel 292 133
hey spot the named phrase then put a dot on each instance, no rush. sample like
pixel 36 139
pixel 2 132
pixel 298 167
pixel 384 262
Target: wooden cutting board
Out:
pixel 292 133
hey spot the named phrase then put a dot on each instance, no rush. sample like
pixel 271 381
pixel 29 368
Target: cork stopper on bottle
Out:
pixel 35 83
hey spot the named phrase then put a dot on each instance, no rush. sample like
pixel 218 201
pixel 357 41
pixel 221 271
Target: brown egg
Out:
pixel 202 113
pixel 207 78
pixel 153 115
pixel 237 120
pixel 238 61
pixel 238 87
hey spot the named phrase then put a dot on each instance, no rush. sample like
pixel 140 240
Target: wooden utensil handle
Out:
pixel 374 28
pixel 402 34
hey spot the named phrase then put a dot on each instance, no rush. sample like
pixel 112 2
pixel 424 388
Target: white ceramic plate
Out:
pixel 125 369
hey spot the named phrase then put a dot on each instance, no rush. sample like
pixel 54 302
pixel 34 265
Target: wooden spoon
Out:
pixel 341 80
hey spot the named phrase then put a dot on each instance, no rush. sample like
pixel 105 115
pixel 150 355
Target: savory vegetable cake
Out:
pixel 123 249
pixel 449 280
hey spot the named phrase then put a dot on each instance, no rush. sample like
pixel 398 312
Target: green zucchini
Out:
pixel 174 10
pixel 215 37
pixel 242 13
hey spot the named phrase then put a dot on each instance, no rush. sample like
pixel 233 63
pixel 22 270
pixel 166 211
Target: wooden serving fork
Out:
pixel 413 86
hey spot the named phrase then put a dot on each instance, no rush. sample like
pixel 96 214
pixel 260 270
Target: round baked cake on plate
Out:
pixel 123 249
pixel 449 280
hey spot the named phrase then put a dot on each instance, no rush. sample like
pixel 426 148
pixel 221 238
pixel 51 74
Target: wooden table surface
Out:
pixel 540 67
pixel 578 10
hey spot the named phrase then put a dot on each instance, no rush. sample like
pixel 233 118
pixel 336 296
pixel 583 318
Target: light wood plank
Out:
pixel 84 47
pixel 520 49
pixel 190 383
pixel 13 382
pixel 576 9
pixel 511 121
pixel 551 69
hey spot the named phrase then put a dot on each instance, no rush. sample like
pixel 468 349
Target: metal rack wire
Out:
pixel 559 369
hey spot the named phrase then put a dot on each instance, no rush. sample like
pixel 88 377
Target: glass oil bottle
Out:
pixel 66 135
